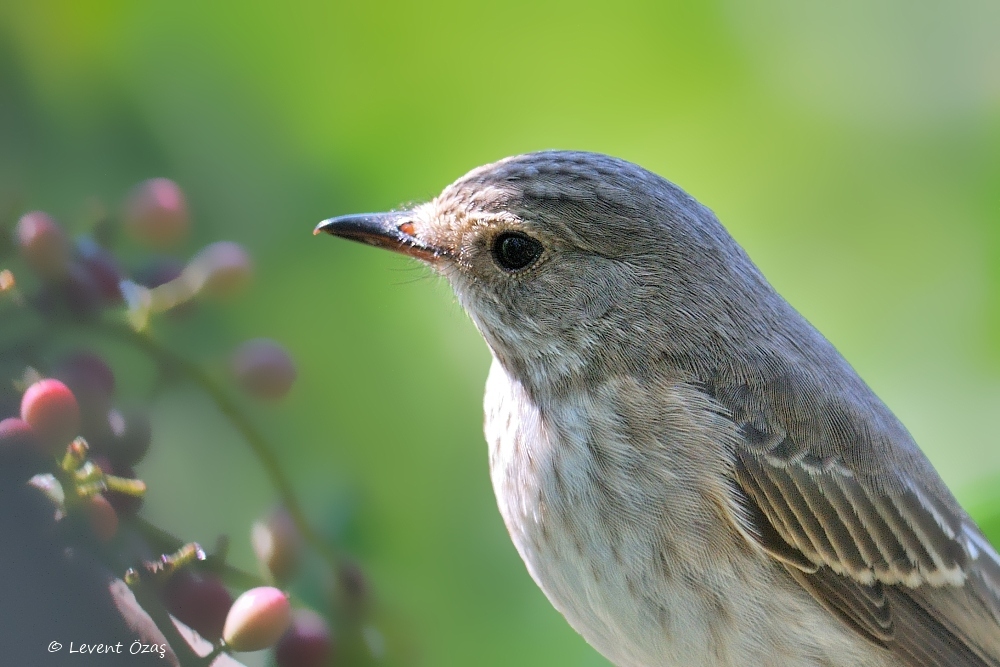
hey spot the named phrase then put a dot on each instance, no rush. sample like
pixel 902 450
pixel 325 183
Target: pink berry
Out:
pixel 18 442
pixel 307 642
pixel 15 432
pixel 43 244
pixel 102 516
pixel 278 544
pixel 257 620
pixel 200 601
pixel 50 408
pixel 263 368
pixel 156 213
pixel 221 269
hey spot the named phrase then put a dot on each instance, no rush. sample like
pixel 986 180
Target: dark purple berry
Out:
pixel 308 641
pixel 263 368
pixel 200 601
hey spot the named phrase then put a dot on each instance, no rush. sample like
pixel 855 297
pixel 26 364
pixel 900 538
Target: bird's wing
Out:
pixel 885 549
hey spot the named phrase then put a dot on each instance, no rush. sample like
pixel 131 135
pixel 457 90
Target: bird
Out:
pixel 693 475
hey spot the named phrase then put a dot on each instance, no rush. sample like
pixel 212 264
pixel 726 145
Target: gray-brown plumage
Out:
pixel 691 472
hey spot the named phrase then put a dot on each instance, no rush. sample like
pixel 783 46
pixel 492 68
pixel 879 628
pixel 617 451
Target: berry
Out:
pixel 221 269
pixel 93 383
pixel 278 544
pixel 263 368
pixel 307 642
pixel 257 619
pixel 18 443
pixel 81 291
pixel 102 517
pixel 200 601
pixel 156 213
pixel 88 371
pixel 16 434
pixel 103 268
pixel 50 408
pixel 7 281
pixel 43 244
pixel 130 435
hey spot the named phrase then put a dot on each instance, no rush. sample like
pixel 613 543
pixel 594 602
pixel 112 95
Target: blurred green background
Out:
pixel 852 148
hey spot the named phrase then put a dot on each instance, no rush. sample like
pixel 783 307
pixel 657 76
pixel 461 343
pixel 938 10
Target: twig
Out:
pixel 166 542
pixel 253 438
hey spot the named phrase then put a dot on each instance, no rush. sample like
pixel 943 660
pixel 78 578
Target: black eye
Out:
pixel 514 251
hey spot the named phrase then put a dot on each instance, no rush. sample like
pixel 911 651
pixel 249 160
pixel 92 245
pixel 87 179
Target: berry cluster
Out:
pixel 68 435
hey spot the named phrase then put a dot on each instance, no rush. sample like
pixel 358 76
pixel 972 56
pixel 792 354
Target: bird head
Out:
pixel 572 263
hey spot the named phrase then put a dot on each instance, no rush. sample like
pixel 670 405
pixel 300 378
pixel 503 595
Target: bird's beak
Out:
pixel 393 231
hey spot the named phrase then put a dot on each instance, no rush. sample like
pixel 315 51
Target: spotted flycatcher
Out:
pixel 690 471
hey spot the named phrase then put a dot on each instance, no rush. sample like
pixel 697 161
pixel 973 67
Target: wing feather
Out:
pixel 862 522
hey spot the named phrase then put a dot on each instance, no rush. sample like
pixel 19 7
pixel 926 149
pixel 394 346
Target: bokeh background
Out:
pixel 853 148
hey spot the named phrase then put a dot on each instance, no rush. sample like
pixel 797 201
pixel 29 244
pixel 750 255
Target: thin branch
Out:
pixel 166 542
pixel 227 406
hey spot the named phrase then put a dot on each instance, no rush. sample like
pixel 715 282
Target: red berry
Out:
pixel 263 368
pixel 307 642
pixel 257 619
pixel 53 413
pixel 156 213
pixel 43 244
pixel 200 601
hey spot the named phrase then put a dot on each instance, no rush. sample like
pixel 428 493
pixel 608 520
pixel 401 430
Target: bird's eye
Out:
pixel 514 251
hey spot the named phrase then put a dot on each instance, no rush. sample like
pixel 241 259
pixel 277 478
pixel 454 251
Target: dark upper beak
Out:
pixel 393 231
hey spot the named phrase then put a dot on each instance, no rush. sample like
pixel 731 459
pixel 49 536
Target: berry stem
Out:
pixel 163 541
pixel 210 658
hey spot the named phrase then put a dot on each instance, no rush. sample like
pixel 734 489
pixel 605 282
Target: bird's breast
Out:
pixel 616 503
